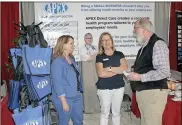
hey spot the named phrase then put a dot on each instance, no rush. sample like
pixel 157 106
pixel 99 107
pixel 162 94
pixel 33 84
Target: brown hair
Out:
pixel 61 41
pixel 100 48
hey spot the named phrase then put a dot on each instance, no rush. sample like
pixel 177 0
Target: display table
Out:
pixel 171 115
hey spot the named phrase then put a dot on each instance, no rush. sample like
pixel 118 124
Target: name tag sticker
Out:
pixel 105 59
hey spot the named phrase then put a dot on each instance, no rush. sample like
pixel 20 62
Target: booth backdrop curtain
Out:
pixel 9 14
pixel 162 15
pixel 175 6
pixel 27 13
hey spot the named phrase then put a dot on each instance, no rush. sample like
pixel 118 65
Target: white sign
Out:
pixel 77 19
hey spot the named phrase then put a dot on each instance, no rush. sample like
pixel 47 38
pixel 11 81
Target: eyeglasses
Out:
pixel 136 27
pixel 88 38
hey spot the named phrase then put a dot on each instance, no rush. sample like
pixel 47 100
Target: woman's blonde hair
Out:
pixel 100 48
pixel 59 48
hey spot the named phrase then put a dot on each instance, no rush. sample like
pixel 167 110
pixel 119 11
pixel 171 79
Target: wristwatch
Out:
pixel 110 69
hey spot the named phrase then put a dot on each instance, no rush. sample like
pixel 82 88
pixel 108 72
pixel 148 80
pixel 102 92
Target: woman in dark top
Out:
pixel 110 65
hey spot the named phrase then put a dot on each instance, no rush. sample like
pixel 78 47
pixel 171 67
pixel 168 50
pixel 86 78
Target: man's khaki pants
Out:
pixel 151 104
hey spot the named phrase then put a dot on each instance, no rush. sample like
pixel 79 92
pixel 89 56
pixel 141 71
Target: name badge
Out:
pixel 105 59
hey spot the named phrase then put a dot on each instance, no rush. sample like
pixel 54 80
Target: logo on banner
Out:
pixel 56 8
pixel 31 123
pixel 38 63
pixel 42 84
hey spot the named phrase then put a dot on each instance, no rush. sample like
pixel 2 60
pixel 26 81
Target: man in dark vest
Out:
pixel 151 69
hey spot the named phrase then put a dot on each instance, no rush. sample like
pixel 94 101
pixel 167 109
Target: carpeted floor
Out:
pixel 126 119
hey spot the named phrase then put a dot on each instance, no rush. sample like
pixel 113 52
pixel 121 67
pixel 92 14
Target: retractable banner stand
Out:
pixel 77 19
pixel 179 39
